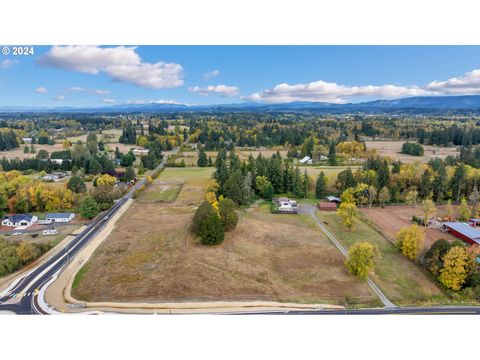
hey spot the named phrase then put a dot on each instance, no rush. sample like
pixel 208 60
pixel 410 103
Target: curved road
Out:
pixel 25 294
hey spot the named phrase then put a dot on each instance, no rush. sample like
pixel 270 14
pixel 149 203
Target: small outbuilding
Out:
pixel 333 199
pixel 327 206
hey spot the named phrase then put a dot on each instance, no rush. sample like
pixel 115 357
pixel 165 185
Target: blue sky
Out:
pixel 95 76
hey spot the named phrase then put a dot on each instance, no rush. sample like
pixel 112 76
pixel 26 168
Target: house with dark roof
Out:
pixel 59 217
pixel 464 232
pixel 17 220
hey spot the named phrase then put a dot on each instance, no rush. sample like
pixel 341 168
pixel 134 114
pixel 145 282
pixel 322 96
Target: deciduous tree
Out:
pixel 361 259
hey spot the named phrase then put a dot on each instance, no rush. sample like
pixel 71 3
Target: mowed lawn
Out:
pixel 402 281
pixel 152 256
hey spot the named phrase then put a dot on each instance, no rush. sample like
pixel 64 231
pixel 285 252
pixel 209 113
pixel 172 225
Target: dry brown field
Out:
pixel 152 256
pixel 392 150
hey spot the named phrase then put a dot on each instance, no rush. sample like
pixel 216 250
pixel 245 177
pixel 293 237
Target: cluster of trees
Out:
pixel 21 194
pixel 411 148
pixel 213 218
pixel 8 140
pixel 15 255
pixel 454 265
pixel 129 135
pixel 452 135
pixel 381 182
pixel 240 180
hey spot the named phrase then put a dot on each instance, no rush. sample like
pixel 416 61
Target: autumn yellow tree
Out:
pixel 361 259
pixel 455 268
pixel 428 210
pixel 212 186
pixel 66 144
pixel 410 240
pixel 347 211
pixel 106 179
pixel 212 200
pixel 463 210
pixel 27 251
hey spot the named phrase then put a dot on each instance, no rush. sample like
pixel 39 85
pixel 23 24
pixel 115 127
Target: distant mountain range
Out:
pixel 419 104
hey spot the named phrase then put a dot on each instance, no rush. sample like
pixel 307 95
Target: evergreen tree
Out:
pixel 332 154
pixel 321 186
pixel 202 157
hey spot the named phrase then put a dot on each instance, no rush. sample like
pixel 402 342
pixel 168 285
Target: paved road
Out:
pixel 25 293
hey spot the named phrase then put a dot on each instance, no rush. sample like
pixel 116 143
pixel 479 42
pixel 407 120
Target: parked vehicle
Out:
pixel 50 232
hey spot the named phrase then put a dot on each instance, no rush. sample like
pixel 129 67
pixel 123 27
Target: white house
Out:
pixel 27 140
pixel 19 220
pixel 323 158
pixel 306 160
pixel 59 217
pixel 140 151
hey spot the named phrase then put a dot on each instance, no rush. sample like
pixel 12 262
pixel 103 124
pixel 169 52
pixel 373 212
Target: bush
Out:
pixel 412 149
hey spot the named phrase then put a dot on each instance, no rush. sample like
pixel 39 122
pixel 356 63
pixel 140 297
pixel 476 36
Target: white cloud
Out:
pixel 6 64
pixel 59 98
pixel 322 91
pixel 102 92
pixel 469 83
pixel 160 101
pixel 41 90
pixel 77 89
pixel 211 74
pixel 222 90
pixel 108 101
pixel 166 101
pixel 120 63
pixel 136 102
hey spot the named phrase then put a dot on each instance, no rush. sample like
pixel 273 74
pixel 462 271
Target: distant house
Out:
pixel 57 161
pixel 333 199
pixel 60 217
pixel 323 158
pixel 19 220
pixel 464 232
pixel 285 205
pixel 50 178
pixel 27 140
pixel 140 151
pixel 327 206
pixel 306 160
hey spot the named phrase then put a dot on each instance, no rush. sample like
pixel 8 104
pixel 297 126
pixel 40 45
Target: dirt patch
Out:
pixel 392 150
pixel 392 218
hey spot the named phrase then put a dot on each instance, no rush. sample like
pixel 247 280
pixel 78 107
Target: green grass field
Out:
pixel 403 281
pixel 314 171
pixel 161 193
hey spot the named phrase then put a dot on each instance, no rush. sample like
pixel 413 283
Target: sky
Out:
pixel 91 76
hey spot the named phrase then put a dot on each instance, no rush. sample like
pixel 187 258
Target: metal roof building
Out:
pixel 464 232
